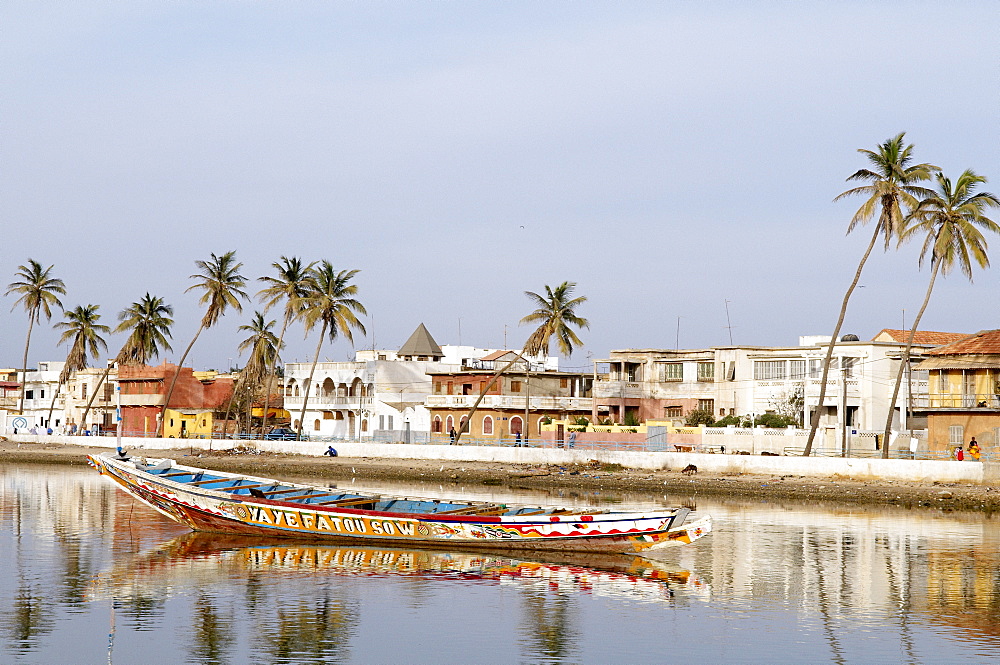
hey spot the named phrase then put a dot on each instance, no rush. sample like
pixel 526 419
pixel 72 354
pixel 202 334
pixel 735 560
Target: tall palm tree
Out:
pixel 555 313
pixel 148 323
pixel 332 304
pixel 891 188
pixel 952 220
pixel 263 348
pixel 290 286
pixel 221 285
pixel 81 327
pixel 37 289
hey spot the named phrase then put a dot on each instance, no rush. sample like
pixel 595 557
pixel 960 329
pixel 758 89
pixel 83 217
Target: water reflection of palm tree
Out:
pixel 548 626
pixel 29 617
pixel 837 654
pixel 318 631
pixel 213 634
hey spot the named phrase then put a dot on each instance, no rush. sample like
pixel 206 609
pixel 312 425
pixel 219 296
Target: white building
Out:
pixel 381 394
pixel 739 380
pixel 41 396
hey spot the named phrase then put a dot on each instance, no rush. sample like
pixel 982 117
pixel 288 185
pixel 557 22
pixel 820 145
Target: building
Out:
pixel 963 399
pixel 42 396
pixel 649 384
pixel 381 394
pixel 191 413
pixel 514 408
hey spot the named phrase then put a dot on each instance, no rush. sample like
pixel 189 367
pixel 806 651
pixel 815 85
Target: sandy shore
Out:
pixel 937 496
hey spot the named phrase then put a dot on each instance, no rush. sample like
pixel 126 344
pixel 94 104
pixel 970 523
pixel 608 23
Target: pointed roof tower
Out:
pixel 420 346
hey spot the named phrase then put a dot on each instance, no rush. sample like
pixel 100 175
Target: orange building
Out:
pixel 192 405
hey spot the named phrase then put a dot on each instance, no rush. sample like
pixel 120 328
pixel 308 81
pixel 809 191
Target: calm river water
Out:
pixel 89 576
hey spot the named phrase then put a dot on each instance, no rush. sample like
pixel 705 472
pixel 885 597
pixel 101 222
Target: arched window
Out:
pixel 364 425
pixel 328 387
pixel 538 425
pixel 316 425
pixel 436 425
pixel 296 390
pixel 465 425
pixel 295 424
pixel 488 425
pixel 516 425
pixel 450 423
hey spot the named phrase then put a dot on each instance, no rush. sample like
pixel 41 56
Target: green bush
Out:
pixel 699 417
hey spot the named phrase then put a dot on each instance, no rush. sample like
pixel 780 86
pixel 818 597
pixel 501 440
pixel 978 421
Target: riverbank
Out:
pixel 585 477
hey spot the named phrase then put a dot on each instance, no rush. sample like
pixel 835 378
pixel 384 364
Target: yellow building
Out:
pixel 963 394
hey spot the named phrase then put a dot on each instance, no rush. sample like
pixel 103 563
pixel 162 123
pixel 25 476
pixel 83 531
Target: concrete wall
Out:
pixel 822 467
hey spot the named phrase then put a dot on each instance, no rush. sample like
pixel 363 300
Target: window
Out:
pixel 364 425
pixel 671 372
pixel 956 435
pixel 381 422
pixel 673 412
pixel 487 425
pixel 769 370
pixel 816 368
pixel 437 387
pixel 515 386
pixel 29 394
pixel 316 425
pixel 43 393
pixel 381 356
pixel 436 427
pixel 848 365
pixel 563 383
pixel 706 371
pixel 450 423
pixel 796 369
pixel 943 386
pixel 390 422
pixel 706 405
pixel 515 425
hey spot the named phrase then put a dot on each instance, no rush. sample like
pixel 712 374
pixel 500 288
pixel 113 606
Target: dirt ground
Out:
pixel 594 477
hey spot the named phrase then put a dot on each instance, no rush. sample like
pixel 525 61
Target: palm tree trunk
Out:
pixel 225 424
pixel 905 361
pixel 93 395
pixel 833 341
pixel 482 394
pixel 24 364
pixel 305 395
pixel 269 379
pixel 173 382
pixel 52 404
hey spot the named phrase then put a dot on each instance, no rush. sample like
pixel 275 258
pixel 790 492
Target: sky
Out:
pixel 678 161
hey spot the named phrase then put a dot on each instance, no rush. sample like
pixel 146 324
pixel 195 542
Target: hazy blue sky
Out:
pixel 666 156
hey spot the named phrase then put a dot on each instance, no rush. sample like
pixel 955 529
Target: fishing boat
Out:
pixel 220 502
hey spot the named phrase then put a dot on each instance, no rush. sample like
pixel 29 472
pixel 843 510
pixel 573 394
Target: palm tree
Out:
pixel 330 303
pixel 81 327
pixel 951 219
pixel 222 285
pixel 148 323
pixel 555 313
pixel 291 286
pixel 37 289
pixel 263 348
pixel 891 188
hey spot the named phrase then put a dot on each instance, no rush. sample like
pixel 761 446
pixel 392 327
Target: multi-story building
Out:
pixel 963 399
pixel 381 394
pixel 735 380
pixel 42 397
pixel 519 401
pixel 191 412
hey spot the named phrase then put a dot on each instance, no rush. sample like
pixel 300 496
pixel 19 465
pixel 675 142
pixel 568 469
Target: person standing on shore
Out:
pixel 959 454
pixel 974 452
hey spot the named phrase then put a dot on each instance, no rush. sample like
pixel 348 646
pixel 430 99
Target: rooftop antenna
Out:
pixel 729 324
pixel 460 331
pixel 677 340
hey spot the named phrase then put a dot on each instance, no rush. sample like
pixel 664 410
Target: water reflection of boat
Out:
pixel 221 502
pixel 198 560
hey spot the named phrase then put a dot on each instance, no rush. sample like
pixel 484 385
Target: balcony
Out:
pixel 539 403
pixel 137 400
pixel 620 389
pixel 332 402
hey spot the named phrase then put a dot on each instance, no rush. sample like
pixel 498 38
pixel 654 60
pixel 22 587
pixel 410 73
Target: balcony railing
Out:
pixel 331 401
pixel 539 403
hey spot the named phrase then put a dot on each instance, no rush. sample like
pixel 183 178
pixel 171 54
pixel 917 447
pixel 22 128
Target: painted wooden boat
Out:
pixel 222 502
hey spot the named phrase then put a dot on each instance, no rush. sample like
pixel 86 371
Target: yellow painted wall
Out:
pixel 198 426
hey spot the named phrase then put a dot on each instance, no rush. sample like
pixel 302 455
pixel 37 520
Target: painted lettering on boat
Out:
pixel 308 521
